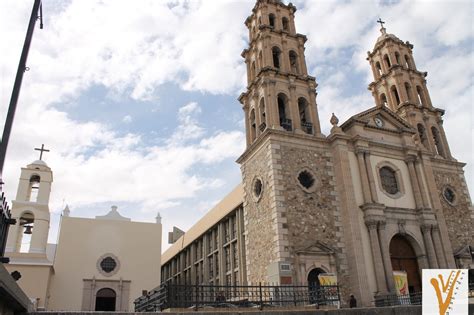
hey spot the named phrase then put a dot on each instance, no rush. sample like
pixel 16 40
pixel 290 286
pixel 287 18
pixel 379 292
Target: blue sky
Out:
pixel 138 100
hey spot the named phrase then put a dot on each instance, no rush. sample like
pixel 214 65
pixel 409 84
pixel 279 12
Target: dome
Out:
pixel 39 162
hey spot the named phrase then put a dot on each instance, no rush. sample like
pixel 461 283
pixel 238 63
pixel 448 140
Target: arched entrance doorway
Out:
pixel 403 258
pixel 314 285
pixel 105 300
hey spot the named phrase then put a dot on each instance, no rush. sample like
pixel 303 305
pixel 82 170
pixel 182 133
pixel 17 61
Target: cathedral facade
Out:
pixel 380 193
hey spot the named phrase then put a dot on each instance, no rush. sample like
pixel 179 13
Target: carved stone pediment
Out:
pixel 318 248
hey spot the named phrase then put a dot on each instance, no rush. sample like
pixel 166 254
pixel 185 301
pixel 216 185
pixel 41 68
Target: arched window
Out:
pixel 253 71
pixel 397 58
pixel 263 116
pixel 437 141
pixel 387 61
pixel 284 23
pixel 27 221
pixel 422 135
pixel 293 62
pixel 260 59
pixel 253 125
pixel 33 188
pixel 408 90
pixel 389 180
pixel 285 122
pixel 271 19
pixel 305 118
pixel 379 69
pixel 407 62
pixel 383 99
pixel 395 94
pixel 421 98
pixel 276 57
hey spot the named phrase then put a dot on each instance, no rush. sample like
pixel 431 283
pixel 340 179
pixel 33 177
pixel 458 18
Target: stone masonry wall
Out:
pixel 459 215
pixel 260 240
pixel 311 215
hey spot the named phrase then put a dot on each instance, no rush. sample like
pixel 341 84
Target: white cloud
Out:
pixel 127 119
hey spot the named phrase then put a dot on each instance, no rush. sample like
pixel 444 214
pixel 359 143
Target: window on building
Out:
pixel 438 142
pixel 407 62
pixel 408 90
pixel 234 227
pixel 210 263
pixel 397 58
pixel 108 264
pixel 285 24
pixel 33 188
pixel 271 19
pixel 227 258
pixel 276 52
pixel 305 120
pixel 395 94
pixel 263 115
pixel 210 242
pixel 306 179
pixel 253 125
pixel 293 62
pixel 387 61
pixel 379 68
pixel 285 122
pixel 235 250
pixel 260 59
pixel 421 97
pixel 389 180
pixel 383 99
pixel 227 231
pixel 422 135
pixel 253 71
pixel 449 195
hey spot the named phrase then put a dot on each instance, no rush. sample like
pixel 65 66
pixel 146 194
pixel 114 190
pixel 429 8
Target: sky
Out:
pixel 137 100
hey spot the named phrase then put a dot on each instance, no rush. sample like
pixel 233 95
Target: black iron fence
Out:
pixel 256 296
pixel 5 221
pixel 394 299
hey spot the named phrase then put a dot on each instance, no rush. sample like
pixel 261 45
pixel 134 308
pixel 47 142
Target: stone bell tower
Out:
pixel 401 87
pixel 290 209
pixel 31 210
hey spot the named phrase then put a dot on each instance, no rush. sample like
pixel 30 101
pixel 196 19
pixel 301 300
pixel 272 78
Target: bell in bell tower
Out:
pixel 31 209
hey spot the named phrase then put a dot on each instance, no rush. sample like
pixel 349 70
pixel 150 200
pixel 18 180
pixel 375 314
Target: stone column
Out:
pixel 447 152
pixel 387 263
pixel 426 231
pixel 371 178
pixel 313 110
pixel 414 181
pixel 419 175
pixel 439 247
pixel 247 124
pixel 272 109
pixel 363 176
pixel 12 238
pixel 377 256
pixel 257 116
pixel 294 110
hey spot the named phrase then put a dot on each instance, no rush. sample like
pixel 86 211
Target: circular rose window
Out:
pixel 108 265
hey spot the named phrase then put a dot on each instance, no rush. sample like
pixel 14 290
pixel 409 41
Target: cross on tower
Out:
pixel 381 22
pixel 42 149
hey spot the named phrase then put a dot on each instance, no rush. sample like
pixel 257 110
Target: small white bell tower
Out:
pixel 31 209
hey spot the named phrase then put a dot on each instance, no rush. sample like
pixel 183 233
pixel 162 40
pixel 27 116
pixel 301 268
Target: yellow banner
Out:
pixel 327 279
pixel 401 282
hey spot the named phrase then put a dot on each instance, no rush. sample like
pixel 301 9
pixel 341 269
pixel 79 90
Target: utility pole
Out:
pixel 37 13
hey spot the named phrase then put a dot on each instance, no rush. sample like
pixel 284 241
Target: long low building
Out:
pixel 212 251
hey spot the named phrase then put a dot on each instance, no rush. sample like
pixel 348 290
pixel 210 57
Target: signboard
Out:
pixel 401 282
pixel 327 279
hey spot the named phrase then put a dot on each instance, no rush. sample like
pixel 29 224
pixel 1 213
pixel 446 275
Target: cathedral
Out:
pixel 380 194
